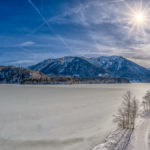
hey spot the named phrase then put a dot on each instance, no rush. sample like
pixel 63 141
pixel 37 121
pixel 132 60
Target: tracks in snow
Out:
pixel 140 137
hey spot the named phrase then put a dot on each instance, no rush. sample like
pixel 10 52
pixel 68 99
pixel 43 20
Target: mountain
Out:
pixel 95 67
pixel 14 75
pixel 11 74
pixel 123 68
pixel 70 66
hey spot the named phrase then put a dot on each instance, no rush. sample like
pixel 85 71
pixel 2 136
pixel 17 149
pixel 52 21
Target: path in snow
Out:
pixel 140 137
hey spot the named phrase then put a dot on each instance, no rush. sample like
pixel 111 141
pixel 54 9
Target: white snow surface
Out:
pixel 59 117
pixel 140 139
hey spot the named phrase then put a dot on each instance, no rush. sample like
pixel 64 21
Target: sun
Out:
pixel 139 17
pixel 138 20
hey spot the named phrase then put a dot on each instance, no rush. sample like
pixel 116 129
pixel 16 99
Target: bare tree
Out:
pixel 144 105
pixel 146 101
pixel 120 119
pixel 127 113
pixel 127 106
pixel 133 113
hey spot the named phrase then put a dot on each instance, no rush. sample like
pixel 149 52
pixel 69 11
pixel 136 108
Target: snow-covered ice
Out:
pixel 54 117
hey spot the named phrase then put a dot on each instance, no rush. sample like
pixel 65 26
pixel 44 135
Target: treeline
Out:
pixel 71 80
pixel 48 80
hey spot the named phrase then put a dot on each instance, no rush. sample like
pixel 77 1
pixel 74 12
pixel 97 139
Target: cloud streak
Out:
pixel 47 23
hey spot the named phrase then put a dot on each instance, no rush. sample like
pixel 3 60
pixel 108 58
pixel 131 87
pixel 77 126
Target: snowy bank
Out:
pixel 137 139
pixel 117 140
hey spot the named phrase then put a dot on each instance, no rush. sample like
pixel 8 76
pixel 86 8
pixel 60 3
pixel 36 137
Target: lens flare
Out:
pixel 137 16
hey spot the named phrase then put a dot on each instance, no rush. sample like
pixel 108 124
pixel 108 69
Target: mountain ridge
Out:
pixel 70 66
pixel 102 66
pixel 20 75
pixel 122 67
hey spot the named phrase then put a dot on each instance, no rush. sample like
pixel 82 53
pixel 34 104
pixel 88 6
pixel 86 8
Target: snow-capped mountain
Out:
pixel 103 66
pixel 70 66
pixel 121 67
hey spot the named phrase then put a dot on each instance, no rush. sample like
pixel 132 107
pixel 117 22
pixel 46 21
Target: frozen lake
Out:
pixel 59 117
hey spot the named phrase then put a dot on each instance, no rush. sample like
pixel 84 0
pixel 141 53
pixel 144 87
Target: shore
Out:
pixel 137 139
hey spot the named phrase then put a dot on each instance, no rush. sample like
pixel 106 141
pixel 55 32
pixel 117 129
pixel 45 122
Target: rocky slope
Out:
pixel 11 74
pixel 123 68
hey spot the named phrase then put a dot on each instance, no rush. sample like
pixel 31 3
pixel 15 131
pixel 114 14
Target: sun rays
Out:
pixel 137 16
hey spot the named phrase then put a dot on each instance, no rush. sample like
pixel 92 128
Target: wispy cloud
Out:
pixel 28 43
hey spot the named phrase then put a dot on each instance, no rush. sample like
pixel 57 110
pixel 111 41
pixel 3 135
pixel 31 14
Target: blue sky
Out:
pixel 31 31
